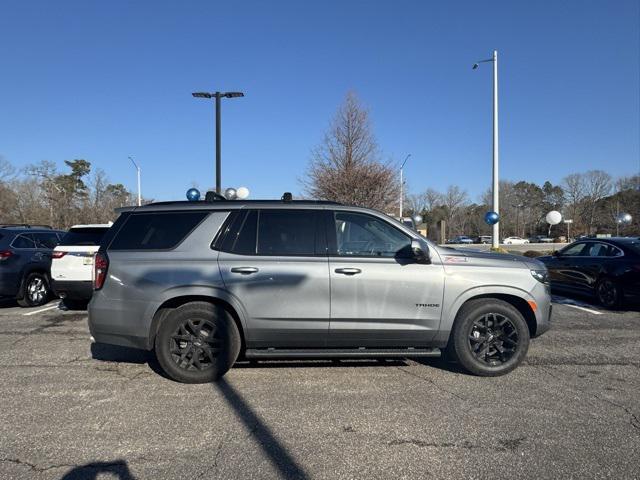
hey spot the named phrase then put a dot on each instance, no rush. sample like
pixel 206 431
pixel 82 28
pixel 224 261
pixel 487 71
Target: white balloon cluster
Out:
pixel 239 193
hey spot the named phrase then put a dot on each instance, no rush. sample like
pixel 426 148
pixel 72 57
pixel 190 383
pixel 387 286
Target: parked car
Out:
pixel 607 269
pixel 540 239
pixel 203 282
pixel 72 264
pixel 25 260
pixel 515 241
pixel 483 239
pixel 461 239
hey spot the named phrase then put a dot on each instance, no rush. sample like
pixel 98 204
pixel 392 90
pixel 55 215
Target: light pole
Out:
pixel 401 184
pixel 495 238
pixel 218 96
pixel 138 170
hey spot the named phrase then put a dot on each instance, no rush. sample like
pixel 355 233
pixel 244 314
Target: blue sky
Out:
pixel 103 80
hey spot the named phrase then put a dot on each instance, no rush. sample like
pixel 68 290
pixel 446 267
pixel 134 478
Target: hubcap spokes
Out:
pixel 36 290
pixel 195 344
pixel 493 339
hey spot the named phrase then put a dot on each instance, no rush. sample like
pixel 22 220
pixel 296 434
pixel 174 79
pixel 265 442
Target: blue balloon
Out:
pixel 193 194
pixel 491 218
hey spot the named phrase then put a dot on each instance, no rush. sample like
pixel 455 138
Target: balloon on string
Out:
pixel 491 218
pixel 553 217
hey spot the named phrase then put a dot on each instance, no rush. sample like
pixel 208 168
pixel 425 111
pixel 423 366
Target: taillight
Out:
pixel 101 264
pixel 56 254
pixel 4 254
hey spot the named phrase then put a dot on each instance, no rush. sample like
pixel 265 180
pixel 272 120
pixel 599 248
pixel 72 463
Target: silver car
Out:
pixel 205 283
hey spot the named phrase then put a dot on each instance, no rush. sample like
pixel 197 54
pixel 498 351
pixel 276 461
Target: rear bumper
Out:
pixel 78 290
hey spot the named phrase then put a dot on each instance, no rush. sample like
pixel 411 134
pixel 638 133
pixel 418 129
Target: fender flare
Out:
pixel 204 291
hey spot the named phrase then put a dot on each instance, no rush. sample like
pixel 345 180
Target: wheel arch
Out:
pixel 519 303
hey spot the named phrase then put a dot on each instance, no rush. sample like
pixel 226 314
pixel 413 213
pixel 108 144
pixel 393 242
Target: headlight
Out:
pixel 541 275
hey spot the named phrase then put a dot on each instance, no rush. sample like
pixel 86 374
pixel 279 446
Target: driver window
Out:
pixel 360 235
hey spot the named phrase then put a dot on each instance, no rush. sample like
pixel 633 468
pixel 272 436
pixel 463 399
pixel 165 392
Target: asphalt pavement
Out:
pixel 70 409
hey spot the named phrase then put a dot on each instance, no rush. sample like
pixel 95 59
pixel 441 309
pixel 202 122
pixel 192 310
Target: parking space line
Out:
pixel 39 311
pixel 595 312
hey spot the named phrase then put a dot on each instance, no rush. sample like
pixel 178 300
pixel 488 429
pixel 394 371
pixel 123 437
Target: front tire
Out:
pixel 489 337
pixel 197 343
pixel 35 291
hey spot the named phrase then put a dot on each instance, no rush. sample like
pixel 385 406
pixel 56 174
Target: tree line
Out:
pixel 348 167
pixel 40 194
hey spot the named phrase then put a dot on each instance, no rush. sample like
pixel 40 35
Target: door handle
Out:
pixel 244 270
pixel 348 271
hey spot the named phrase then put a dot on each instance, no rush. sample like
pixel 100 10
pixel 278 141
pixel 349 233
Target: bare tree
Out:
pixel 452 202
pixel 346 166
pixel 597 186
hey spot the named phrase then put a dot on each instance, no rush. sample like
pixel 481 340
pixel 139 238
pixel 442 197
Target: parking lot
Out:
pixel 70 409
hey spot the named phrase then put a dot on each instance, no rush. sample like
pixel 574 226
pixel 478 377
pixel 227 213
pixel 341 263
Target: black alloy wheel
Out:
pixel 197 342
pixel 195 345
pixel 490 337
pixel 493 339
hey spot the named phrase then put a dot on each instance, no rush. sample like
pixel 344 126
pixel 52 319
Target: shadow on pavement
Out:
pixel 342 363
pixel 277 453
pixel 117 469
pixel 114 353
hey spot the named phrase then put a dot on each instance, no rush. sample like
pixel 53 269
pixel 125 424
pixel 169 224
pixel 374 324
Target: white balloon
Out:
pixel 554 217
pixel 625 218
pixel 242 193
pixel 230 193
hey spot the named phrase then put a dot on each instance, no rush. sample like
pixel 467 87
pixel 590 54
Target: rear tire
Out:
pixel 489 337
pixel 197 343
pixel 608 293
pixel 35 290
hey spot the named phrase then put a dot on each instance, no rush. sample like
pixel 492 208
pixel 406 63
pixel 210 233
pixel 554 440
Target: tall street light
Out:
pixel 138 170
pixel 495 236
pixel 218 96
pixel 401 184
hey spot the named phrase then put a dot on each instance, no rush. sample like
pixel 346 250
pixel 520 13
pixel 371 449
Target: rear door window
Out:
pixel 91 236
pixel 46 240
pixel 156 231
pixel 288 232
pixel 23 241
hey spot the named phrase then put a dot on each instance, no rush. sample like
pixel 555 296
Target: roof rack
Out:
pixel 24 225
pixel 214 197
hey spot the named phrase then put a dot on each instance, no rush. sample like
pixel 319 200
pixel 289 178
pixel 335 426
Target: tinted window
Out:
pixel 155 231
pixel 84 236
pixel 46 240
pixel 287 232
pixel 23 241
pixel 366 236
pixel 574 250
pixel 245 243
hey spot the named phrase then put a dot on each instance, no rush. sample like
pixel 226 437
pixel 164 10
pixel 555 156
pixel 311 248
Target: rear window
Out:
pixel 155 231
pixel 634 246
pixel 83 236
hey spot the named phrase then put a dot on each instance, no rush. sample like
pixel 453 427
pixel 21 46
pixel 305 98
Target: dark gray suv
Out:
pixel 202 283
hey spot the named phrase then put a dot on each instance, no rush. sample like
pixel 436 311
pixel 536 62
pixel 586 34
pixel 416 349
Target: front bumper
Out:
pixel 73 290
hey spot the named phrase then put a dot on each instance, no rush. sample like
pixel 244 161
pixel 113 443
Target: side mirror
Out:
pixel 556 253
pixel 419 255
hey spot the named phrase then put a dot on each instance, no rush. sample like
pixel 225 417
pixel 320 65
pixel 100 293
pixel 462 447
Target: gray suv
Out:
pixel 204 283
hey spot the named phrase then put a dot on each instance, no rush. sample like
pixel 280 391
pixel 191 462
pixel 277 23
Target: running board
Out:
pixel 258 353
